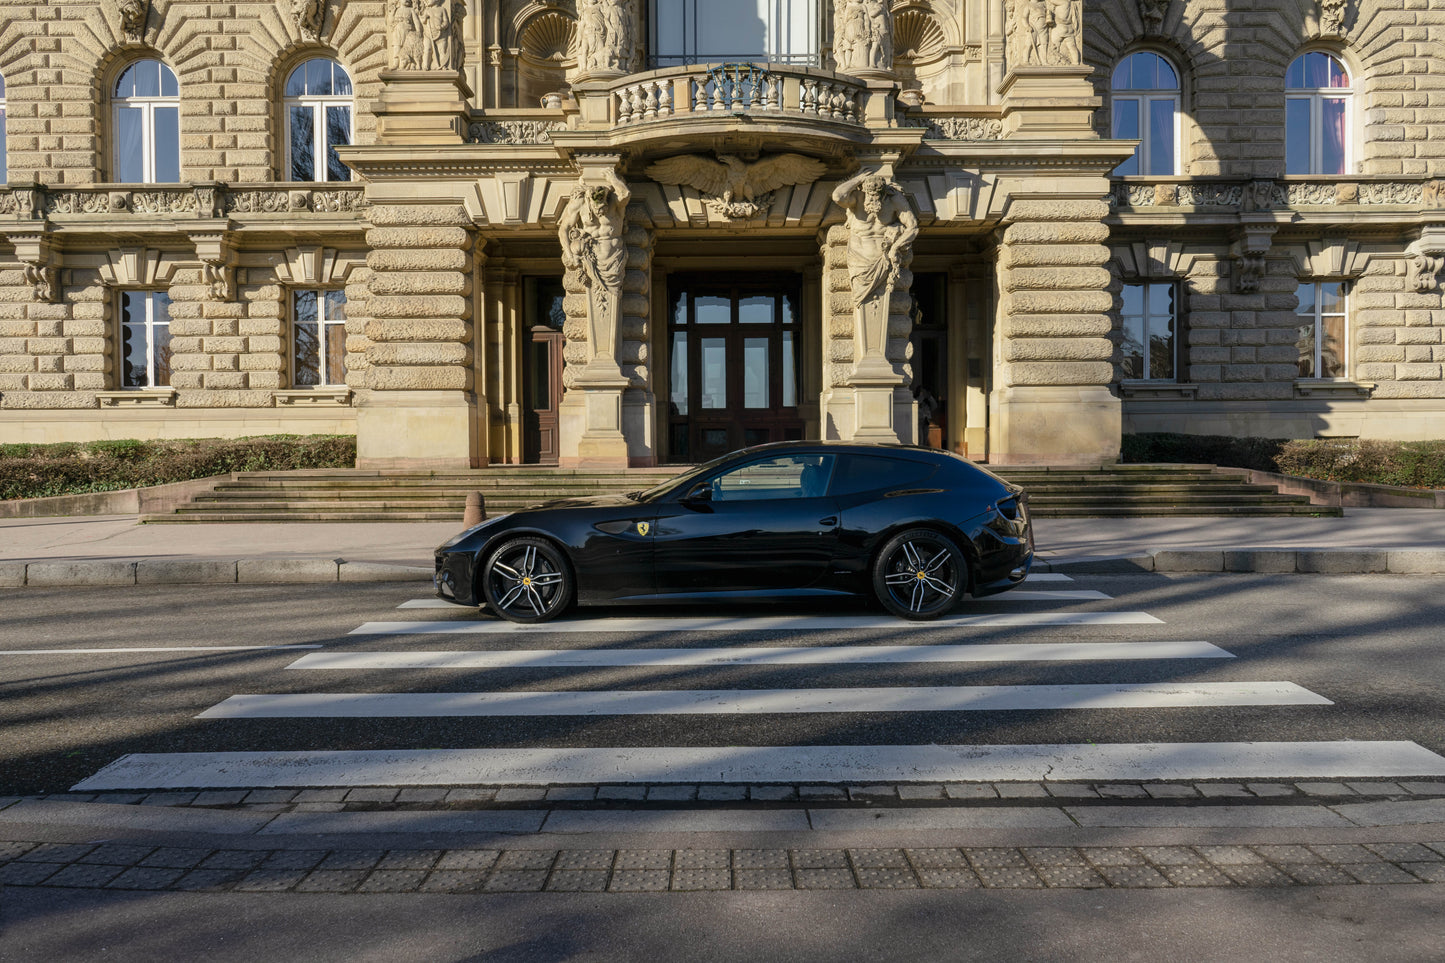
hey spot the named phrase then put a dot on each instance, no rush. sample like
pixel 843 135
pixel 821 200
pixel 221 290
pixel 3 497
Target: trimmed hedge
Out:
pixel 1412 464
pixel 35 471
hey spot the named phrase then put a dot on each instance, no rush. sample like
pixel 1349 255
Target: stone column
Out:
pixel 419 409
pixel 1051 401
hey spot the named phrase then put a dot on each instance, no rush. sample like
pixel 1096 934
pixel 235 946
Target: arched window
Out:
pixel 147 106
pixel 4 171
pixel 1316 115
pixel 704 31
pixel 317 102
pixel 1145 96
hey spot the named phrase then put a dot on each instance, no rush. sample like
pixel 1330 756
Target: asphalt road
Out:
pixel 1369 644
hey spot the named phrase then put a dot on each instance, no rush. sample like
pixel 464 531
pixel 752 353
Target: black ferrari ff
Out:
pixel 916 527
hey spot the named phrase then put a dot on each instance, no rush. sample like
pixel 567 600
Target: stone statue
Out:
pixel 592 229
pixel 605 36
pixel 881 230
pixel 404 33
pixel 732 187
pixel 1152 12
pixel 862 36
pixel 133 15
pixel 424 34
pixel 1064 31
pixel 308 16
pixel 1044 33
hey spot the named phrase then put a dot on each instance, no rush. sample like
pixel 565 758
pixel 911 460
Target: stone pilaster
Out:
pixel 1051 400
pixel 419 411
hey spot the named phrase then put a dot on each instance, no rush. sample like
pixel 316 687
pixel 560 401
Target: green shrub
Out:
pixel 34 471
pixel 1227 450
pixel 1413 464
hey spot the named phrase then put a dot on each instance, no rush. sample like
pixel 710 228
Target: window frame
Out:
pixel 1144 97
pixel 148 324
pixel 317 104
pixel 147 105
pixel 326 328
pixel 1317 318
pixel 1146 316
pixel 1315 97
pixel 691 55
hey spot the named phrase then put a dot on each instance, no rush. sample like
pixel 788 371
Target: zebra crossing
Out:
pixel 875 644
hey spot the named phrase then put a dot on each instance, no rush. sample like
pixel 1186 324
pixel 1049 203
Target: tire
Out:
pixel 919 575
pixel 527 580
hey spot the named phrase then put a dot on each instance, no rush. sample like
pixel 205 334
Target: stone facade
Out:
pixel 469 123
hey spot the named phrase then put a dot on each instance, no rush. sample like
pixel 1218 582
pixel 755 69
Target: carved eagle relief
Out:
pixel 733 187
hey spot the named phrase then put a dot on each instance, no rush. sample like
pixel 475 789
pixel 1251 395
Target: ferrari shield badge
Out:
pixel 643 528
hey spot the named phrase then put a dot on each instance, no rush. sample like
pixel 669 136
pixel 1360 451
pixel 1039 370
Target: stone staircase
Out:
pixel 369 496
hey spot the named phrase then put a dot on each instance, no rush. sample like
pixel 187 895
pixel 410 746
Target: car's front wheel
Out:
pixel 527 580
pixel 920 574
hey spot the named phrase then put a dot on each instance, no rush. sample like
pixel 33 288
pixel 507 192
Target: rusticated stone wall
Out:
pixel 1400 334
pixel 54 355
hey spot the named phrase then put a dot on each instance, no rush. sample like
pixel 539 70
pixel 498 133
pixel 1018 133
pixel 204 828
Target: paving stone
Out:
pixel 1122 791
pixel 1257 875
pixel 1379 873
pixel 970 790
pixel 1318 875
pixel 949 878
pixel 116 798
pixel 84 875
pixel 515 881
pixel 760 859
pixel 995 856
pixel 331 881
pixel 1203 875
pixel 593 859
pixel 1167 790
pixel 234 859
pixel 351 859
pixel 1377 788
pixel 630 859
pixel 1437 847
pixel 27 873
pixel 1424 788
pixel 1009 877
pixel 146 877
pixel 571 794
pixel 1070 877
pixel 878 858
pixel 1133 877
pixel 271 880
pixel 883 877
pixel 513 794
pixel 470 859
pixel 1071 790
pixel 926 791
pixel 763 879
pixel 937 858
pixel 268 807
pixel 672 793
pixel 409 859
pixel 1230 855
pixel 1172 856
pixel 1217 790
pixel 320 796
pixel 270 796
pixel 577 881
pixel 702 859
pixel 14 850
pixel 773 793
pixel 392 881
pixel 1270 789
pixel 1053 856
pixel 514 859
pixel 1288 854
pixel 372 794
pixel 318 807
pixel 176 858
pixel 639 881
pixel 820 858
pixel 425 794
pixel 1112 856
pixel 1324 789
pixel 826 878
pixel 1339 853
pixel 1429 872
pixel 822 792
pixel 452 881
pixel 1020 790
pixel 873 792
pixel 204 880
pixel 622 792
pixel 56 852
pixel 471 794
pixel 229 797
pixel 306 859
pixel 1403 852
pixel 117 855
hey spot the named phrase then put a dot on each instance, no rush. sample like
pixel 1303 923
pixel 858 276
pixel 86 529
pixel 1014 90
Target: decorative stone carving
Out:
pixel 7 203
pixel 424 34
pixel 163 202
pixel 1392 192
pixel 592 231
pixel 1258 197
pixel 335 202
pixel 1425 272
pixel 1432 194
pixel 133 15
pixel 1332 16
pixel 957 128
pixel 41 277
pixel 308 15
pixel 513 131
pixel 732 187
pixel 220 278
pixel 1152 12
pixel 1044 33
pixel 76 202
pixel 1249 256
pixel 605 40
pixel 862 36
pixel 881 230
pixel 258 202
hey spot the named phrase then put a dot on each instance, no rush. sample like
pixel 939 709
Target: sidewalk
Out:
pixel 114 549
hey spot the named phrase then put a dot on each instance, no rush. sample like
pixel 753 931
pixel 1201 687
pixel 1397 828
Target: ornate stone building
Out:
pixel 607 232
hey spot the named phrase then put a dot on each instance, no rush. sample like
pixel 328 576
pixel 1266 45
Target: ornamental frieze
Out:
pixel 258 202
pixel 1264 196
pixel 513 131
pixel 163 202
pixel 957 128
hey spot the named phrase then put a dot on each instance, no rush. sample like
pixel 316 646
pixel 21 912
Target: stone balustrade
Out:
pixel 736 88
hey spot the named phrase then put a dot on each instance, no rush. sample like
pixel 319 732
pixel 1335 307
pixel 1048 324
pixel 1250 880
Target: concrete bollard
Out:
pixel 476 510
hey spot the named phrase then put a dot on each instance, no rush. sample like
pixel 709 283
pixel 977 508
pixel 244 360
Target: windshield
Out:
pixel 681 481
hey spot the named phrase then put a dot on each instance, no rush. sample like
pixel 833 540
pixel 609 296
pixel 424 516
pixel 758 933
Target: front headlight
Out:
pixel 461 536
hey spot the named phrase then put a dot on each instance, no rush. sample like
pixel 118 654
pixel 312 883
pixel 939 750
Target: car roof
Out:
pixel 848 446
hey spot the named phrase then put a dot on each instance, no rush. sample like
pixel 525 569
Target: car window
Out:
pixel 862 473
pixel 782 476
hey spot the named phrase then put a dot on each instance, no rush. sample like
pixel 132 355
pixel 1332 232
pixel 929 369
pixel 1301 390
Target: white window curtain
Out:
pixel 147 125
pixel 1317 115
pixel 1144 93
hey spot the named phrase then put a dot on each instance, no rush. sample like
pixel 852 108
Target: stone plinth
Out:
pixel 405 430
pixel 422 107
pixel 1067 425
pixel 1049 103
pixel 590 425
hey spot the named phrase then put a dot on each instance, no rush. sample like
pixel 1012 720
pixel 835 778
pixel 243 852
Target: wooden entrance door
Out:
pixel 542 371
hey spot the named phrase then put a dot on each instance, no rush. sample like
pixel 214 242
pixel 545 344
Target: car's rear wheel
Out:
pixel 527 580
pixel 920 574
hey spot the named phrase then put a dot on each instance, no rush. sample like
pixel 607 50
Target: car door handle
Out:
pixel 829 522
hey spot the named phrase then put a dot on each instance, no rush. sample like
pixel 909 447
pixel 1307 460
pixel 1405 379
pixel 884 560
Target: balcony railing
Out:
pixel 737 88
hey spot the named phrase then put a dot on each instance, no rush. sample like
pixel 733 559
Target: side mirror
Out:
pixel 701 492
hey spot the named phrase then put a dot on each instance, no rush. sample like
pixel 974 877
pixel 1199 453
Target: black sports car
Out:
pixel 914 526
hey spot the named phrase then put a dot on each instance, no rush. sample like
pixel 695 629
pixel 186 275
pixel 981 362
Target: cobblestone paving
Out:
pixel 692 870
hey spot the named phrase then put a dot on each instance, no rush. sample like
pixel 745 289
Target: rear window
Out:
pixel 863 473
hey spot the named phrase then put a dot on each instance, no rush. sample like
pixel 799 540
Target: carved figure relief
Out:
pixel 605 38
pixel 133 14
pixel 591 230
pixel 308 15
pixel 881 230
pixel 1044 33
pixel 733 188
pixel 1332 16
pixel 424 34
pixel 1152 12
pixel 1258 197
pixel 862 36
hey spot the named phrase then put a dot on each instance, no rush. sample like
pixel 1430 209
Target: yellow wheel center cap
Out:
pixel 526 580
pixel 921 575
